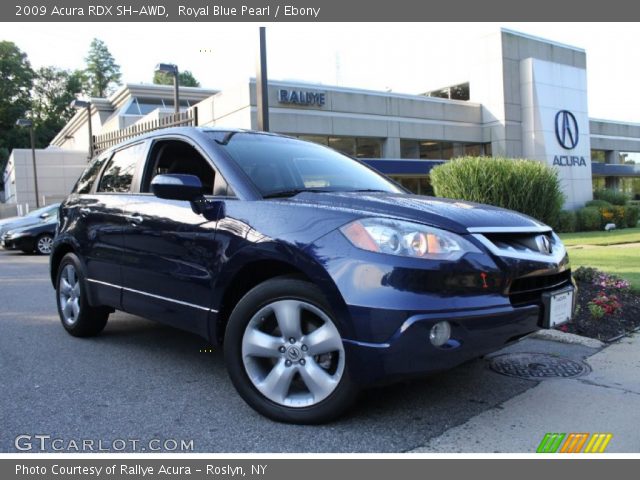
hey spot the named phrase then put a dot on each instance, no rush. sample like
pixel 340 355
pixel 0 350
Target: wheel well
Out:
pixel 56 258
pixel 248 277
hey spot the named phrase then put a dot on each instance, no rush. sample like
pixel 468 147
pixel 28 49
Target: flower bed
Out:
pixel 606 308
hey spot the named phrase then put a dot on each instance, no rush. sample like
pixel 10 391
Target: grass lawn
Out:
pixel 623 261
pixel 600 252
pixel 627 235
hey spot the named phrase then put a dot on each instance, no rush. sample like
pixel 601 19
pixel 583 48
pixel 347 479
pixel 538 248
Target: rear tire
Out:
pixel 285 355
pixel 78 317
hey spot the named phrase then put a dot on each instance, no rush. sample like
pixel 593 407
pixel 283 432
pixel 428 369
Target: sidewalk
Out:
pixel 605 401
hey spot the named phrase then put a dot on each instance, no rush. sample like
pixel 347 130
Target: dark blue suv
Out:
pixel 316 274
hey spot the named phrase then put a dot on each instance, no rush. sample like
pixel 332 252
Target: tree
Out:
pixel 53 91
pixel 186 79
pixel 16 79
pixel 102 73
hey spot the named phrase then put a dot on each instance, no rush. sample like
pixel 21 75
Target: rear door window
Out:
pixel 119 172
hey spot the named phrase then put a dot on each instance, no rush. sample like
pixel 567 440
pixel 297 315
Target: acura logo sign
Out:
pixel 566 129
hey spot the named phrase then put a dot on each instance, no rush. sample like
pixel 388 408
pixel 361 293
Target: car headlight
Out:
pixel 14 235
pixel 407 239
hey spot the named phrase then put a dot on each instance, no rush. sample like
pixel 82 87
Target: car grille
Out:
pixel 518 242
pixel 529 290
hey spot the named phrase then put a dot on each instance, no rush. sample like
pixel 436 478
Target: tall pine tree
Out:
pixel 102 74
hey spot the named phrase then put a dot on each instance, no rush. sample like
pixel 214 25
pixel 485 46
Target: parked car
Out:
pixel 34 238
pixel 317 275
pixel 32 218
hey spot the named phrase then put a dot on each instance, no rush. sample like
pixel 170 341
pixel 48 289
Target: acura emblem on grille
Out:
pixel 544 244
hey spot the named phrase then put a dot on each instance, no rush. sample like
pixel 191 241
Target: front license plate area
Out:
pixel 558 307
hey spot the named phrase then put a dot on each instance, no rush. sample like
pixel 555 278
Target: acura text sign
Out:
pixel 567 135
pixel 301 97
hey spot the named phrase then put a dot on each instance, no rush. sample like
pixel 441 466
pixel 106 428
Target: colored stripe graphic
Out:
pixel 550 443
pixel 598 443
pixel 574 443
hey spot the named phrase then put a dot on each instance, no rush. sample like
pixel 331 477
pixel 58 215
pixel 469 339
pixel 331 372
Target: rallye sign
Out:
pixel 301 97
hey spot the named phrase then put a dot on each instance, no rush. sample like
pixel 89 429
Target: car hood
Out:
pixel 18 223
pixel 7 220
pixel 41 225
pixel 454 215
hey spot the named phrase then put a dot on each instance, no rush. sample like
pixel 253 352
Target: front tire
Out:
pixel 285 356
pixel 78 317
pixel 44 243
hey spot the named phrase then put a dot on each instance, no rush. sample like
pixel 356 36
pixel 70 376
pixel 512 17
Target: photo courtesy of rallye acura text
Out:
pixel 316 275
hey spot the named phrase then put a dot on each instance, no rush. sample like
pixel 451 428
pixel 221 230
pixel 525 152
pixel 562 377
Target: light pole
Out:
pixel 79 104
pixel 262 85
pixel 173 70
pixel 23 122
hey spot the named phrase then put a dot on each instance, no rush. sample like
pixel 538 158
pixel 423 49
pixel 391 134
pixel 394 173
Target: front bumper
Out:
pixel 391 304
pixel 19 243
pixel 408 352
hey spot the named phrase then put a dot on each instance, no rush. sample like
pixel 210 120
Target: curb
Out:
pixel 569 338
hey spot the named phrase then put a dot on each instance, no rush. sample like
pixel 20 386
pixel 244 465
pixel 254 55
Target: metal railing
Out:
pixel 107 140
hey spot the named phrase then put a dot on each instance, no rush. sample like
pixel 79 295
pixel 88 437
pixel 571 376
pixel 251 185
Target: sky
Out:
pixel 400 57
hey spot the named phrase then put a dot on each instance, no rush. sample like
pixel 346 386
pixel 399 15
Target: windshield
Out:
pixel 284 166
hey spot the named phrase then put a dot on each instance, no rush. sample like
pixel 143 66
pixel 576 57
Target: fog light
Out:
pixel 440 333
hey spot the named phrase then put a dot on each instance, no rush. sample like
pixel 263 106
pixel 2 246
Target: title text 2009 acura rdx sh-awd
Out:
pixel 316 275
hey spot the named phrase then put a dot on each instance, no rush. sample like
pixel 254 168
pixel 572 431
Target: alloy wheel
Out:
pixel 44 245
pixel 293 353
pixel 69 295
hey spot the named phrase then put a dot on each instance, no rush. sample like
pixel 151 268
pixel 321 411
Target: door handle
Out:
pixel 135 219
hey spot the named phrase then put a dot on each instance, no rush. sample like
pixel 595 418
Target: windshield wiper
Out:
pixel 292 192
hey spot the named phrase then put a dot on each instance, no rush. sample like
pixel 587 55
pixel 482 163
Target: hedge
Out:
pixel 613 196
pixel 598 203
pixel 567 222
pixel 631 215
pixel 589 218
pixel 526 186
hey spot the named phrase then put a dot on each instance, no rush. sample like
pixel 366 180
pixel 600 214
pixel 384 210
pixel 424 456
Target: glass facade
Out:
pixel 441 150
pixel 418 184
pixel 360 147
pixel 143 106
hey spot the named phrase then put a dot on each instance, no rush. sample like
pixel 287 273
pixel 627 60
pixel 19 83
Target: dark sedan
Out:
pixel 32 218
pixel 317 275
pixel 36 238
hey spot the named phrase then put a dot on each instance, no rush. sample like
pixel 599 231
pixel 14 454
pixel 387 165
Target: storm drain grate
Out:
pixel 537 366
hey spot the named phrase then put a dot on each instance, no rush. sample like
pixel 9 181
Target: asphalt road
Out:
pixel 140 381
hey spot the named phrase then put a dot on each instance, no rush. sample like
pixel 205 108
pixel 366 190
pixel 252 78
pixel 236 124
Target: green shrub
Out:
pixel 631 215
pixel 567 222
pixel 523 185
pixel 613 214
pixel 589 218
pixel 611 195
pixel 586 274
pixel 598 203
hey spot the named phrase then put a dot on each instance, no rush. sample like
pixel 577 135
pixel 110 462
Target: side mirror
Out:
pixel 189 188
pixel 177 187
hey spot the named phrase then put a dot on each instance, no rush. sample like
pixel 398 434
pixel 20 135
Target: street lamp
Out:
pixel 79 104
pixel 173 70
pixel 24 123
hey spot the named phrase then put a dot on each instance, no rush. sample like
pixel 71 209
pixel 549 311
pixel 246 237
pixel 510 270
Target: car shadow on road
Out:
pixel 413 408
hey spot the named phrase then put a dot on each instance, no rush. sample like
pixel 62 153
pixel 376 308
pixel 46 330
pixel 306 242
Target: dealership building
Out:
pixel 519 96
